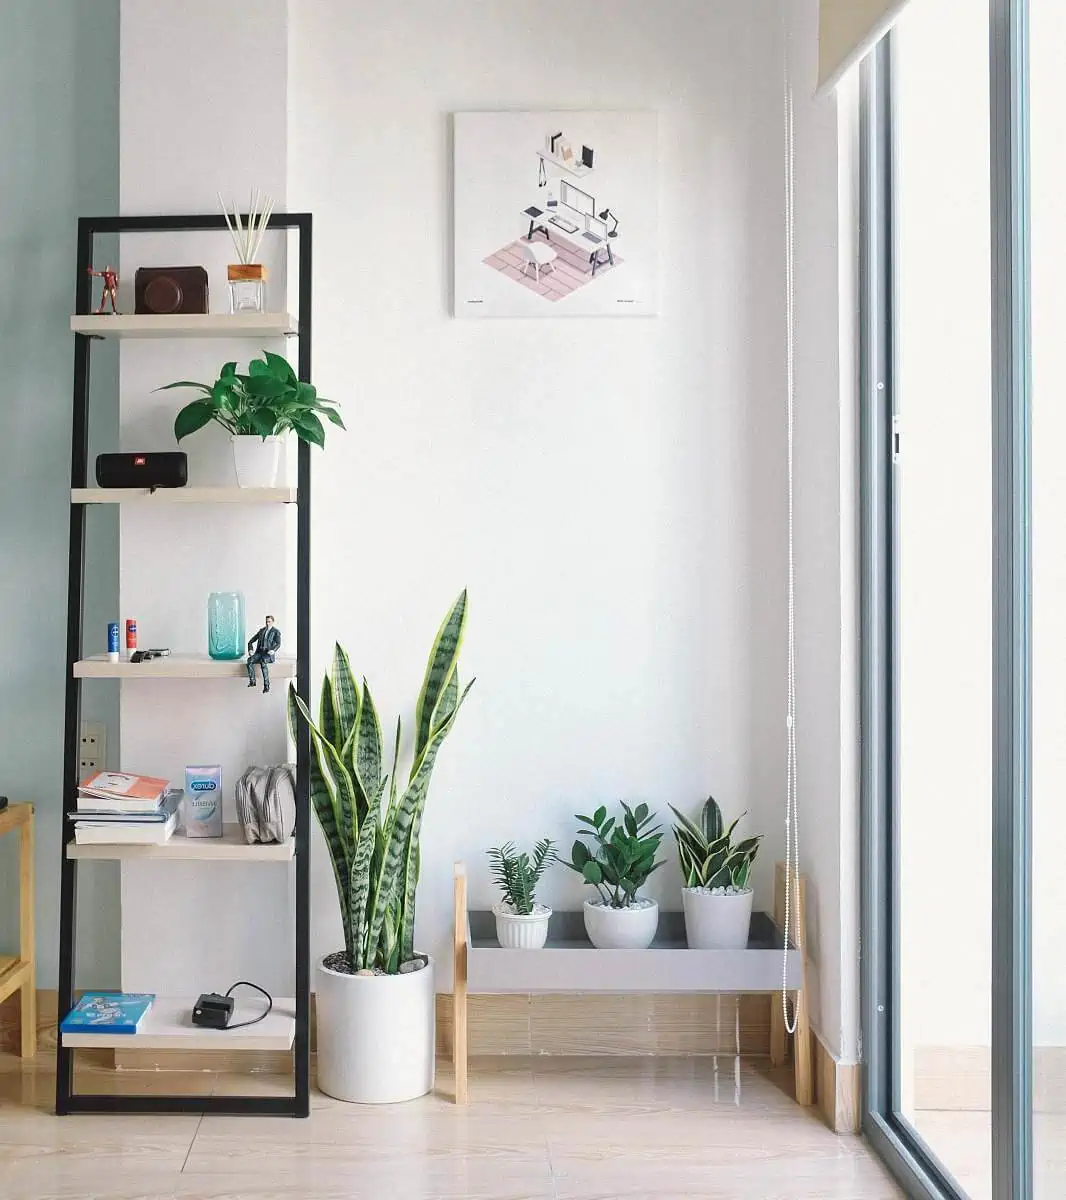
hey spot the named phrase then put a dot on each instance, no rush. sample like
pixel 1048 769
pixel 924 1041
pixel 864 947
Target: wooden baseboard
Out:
pixel 507 1025
pixel 837 1089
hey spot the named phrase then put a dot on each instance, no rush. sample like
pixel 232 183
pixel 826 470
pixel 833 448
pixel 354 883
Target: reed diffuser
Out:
pixel 247 278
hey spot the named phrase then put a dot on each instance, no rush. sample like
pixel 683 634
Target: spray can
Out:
pixel 131 636
pixel 112 641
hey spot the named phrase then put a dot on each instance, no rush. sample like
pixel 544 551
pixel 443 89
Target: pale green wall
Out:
pixel 59 97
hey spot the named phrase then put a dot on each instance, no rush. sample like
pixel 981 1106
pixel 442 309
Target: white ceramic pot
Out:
pixel 515 931
pixel 716 922
pixel 376 1035
pixel 255 460
pixel 630 928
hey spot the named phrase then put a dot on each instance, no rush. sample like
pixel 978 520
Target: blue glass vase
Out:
pixel 225 625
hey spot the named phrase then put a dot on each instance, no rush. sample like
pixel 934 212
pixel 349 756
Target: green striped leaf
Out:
pixel 327 712
pixel 346 695
pixel 711 820
pixel 359 877
pixel 338 781
pixel 368 744
pixel 439 669
pixel 448 698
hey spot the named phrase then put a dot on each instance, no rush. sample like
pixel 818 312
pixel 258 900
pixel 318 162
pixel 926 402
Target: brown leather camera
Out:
pixel 170 290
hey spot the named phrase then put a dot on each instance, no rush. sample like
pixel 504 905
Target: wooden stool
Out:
pixel 20 974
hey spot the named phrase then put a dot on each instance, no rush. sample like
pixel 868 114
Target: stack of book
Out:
pixel 108 1012
pixel 115 808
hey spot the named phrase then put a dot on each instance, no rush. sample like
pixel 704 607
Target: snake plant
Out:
pixel 371 826
pixel 709 856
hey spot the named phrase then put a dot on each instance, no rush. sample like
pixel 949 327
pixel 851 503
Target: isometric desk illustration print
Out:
pixel 556 214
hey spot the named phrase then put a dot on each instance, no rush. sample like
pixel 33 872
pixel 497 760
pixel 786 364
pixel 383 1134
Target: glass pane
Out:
pixel 1048 213
pixel 943 326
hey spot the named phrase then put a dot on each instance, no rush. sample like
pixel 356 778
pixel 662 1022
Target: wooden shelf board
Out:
pixel 176 666
pixel 184 495
pixel 193 325
pixel 168 1026
pixel 230 847
pixel 569 962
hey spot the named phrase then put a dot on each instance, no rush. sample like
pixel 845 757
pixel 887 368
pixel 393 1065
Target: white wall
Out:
pixel 194 927
pixel 825 533
pixel 611 492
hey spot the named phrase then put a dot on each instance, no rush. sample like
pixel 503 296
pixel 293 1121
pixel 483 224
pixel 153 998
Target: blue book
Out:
pixel 107 1012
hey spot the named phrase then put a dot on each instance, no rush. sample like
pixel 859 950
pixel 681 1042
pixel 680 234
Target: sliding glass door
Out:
pixel 948 769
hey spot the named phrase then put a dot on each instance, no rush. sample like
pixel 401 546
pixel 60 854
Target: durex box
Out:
pixel 202 805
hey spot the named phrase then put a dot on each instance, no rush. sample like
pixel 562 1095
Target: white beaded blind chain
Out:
pixel 791 789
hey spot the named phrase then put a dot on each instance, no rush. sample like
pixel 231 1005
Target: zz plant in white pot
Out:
pixel 375 998
pixel 617 864
pixel 715 870
pixel 521 923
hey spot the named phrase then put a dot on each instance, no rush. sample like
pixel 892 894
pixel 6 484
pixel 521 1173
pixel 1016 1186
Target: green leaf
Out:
pixel 711 820
pixel 306 394
pixel 599 816
pixel 309 428
pixel 334 416
pixel 346 694
pixel 339 783
pixel 258 367
pixel 264 387
pixel 368 744
pixel 641 812
pixel 228 370
pixel 185 383
pixel 280 367
pixel 441 664
pixel 264 423
pixel 631 825
pixel 592 872
pixel 579 855
pixel 192 417
pixel 359 876
pixel 327 712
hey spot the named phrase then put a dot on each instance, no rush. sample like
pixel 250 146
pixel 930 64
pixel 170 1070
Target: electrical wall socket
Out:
pixel 92 749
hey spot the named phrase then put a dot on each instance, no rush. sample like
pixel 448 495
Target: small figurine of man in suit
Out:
pixel 267 643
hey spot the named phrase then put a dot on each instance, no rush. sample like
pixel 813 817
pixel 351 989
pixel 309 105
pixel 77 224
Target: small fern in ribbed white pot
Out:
pixel 521 923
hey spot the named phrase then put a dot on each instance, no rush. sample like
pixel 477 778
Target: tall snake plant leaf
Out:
pixel 324 805
pixel 690 828
pixel 398 870
pixel 368 744
pixel 711 820
pixel 359 890
pixel 338 781
pixel 395 767
pixel 446 703
pixel 346 695
pixel 439 669
pixel 327 712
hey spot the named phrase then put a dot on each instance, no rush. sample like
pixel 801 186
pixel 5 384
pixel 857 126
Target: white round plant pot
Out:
pixel 631 928
pixel 515 931
pixel 716 922
pixel 255 460
pixel 376 1035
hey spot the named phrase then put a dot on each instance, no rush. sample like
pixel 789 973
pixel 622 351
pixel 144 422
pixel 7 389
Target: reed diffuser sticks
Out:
pixel 248 237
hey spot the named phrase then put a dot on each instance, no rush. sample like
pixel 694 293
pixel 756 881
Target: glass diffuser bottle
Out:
pixel 225 625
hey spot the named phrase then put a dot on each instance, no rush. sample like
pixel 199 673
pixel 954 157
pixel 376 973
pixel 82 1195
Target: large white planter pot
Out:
pixel 716 922
pixel 376 1035
pixel 630 928
pixel 517 932
pixel 255 460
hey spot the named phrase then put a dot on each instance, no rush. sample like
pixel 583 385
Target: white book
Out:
pixel 98 802
pixel 108 833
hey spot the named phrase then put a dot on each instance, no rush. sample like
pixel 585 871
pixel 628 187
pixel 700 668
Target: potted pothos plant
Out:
pixel 617 860
pixel 375 998
pixel 258 409
pixel 521 923
pixel 716 872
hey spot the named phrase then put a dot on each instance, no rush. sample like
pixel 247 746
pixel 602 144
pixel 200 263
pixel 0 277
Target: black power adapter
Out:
pixel 212 1011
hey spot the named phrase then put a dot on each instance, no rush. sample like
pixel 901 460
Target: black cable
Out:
pixel 262 1016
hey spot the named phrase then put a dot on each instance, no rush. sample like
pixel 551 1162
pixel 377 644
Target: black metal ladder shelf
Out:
pixel 67 1100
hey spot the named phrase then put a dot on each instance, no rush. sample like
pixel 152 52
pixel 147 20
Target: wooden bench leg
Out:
pixel 27 948
pixel 459 1046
